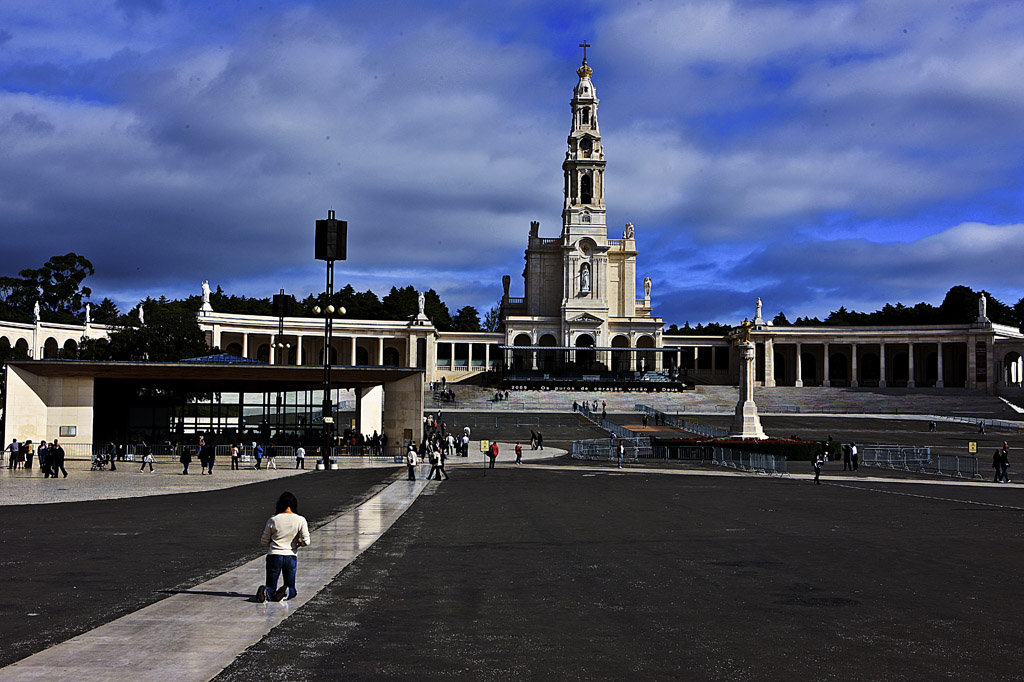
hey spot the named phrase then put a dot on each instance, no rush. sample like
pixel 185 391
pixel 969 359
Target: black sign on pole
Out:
pixel 331 238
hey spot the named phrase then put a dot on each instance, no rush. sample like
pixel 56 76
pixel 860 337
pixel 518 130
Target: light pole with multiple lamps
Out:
pixel 331 240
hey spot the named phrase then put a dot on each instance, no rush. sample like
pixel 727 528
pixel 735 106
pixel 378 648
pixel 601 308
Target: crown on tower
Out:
pixel 584 71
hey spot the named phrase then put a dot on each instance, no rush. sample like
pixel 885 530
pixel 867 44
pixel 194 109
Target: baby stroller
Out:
pixel 100 462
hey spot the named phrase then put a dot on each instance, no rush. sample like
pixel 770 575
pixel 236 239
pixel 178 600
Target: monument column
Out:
pixel 853 366
pixel 245 344
pixel 910 365
pixel 769 362
pixel 799 366
pixel 746 423
pixel 352 351
pixel 881 365
pixel 939 381
pixel 380 351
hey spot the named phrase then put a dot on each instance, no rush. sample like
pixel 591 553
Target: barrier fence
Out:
pixel 920 460
pixel 672 420
pixel 617 429
pixel 641 448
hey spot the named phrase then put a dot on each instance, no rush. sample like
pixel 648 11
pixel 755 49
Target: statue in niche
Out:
pixel 422 302
pixel 982 307
pixel 88 313
pixel 206 291
pixel 35 311
pixel 647 288
pixel 629 230
pixel 585 278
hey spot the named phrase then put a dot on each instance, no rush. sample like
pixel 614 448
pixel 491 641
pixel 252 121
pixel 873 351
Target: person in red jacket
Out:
pixel 493 454
pixel 519 453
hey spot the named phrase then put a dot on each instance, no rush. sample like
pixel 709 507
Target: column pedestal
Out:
pixel 746 423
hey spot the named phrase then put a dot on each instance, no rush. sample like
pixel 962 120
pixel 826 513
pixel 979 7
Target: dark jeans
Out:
pixel 58 466
pixel 300 462
pixel 278 564
pixel 412 472
pixel 492 461
pixel 259 461
pixel 234 462
pixel 209 465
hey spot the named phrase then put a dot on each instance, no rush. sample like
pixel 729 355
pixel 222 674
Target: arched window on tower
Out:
pixel 585 218
pixel 586 116
pixel 586 190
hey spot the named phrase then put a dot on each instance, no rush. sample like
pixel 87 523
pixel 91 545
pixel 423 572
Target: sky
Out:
pixel 815 154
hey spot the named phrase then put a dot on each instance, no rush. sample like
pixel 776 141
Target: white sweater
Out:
pixel 284 532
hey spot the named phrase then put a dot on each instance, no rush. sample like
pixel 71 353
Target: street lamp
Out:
pixel 331 241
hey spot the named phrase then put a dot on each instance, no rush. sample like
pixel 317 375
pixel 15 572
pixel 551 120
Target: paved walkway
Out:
pixel 194 634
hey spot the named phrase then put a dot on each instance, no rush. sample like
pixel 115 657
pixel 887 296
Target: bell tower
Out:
pixel 585 266
pixel 583 210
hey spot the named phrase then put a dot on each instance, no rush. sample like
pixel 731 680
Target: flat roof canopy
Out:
pixel 226 376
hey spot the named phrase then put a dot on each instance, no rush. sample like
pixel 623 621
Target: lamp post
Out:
pixel 331 238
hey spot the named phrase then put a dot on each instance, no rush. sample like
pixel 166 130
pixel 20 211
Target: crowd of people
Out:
pixel 49 456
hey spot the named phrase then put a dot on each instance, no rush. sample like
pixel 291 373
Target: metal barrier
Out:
pixel 956 465
pixel 617 429
pixel 750 461
pixel 895 457
pixel 671 420
pixel 608 449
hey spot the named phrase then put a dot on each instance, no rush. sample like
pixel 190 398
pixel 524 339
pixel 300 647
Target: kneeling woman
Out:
pixel 285 532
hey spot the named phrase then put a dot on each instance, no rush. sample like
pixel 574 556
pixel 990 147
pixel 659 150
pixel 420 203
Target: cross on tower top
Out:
pixel 585 45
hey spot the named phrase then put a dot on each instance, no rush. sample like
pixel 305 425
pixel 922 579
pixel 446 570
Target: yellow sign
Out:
pixel 972 447
pixel 485 445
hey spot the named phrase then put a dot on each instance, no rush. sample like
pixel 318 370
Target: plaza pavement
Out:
pixel 558 571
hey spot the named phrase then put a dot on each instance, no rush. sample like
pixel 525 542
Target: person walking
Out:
pixel 492 452
pixel 211 456
pixel 854 455
pixel 533 440
pixel 847 462
pixel 147 457
pixel 411 460
pixel 272 457
pixel 997 464
pixel 300 457
pixel 234 457
pixel 186 458
pixel 622 452
pixel 257 453
pixel 284 533
pixel 1004 460
pixel 519 453
pixel 819 461
pixel 435 462
pixel 540 440
pixel 56 455
pixel 465 443
pixel 112 454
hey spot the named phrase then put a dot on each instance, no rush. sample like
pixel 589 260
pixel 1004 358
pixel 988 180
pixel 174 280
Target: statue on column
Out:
pixel 142 316
pixel 206 307
pixel 629 230
pixel 422 303
pixel 506 280
pixel 35 311
pixel 757 315
pixel 982 308
pixel 647 288
pixel 88 314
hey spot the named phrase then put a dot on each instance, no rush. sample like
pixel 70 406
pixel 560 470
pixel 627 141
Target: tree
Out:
pixel 401 304
pixel 59 283
pixel 492 320
pixel 437 311
pixel 106 313
pixel 171 333
pixel 780 320
pixel 467 319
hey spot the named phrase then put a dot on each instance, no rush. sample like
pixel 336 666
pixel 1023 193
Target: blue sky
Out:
pixel 815 154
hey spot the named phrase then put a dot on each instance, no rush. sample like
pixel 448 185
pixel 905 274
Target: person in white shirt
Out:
pixel 285 532
pixel 300 457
